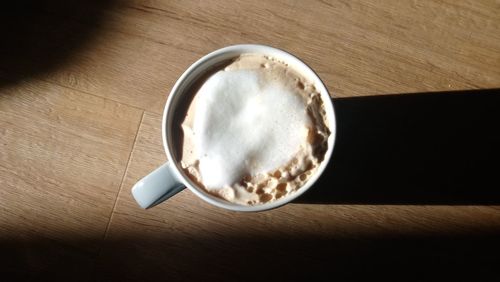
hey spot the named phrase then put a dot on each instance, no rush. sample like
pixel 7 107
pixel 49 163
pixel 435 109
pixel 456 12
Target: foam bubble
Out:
pixel 246 125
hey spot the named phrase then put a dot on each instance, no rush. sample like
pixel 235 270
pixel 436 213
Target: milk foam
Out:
pixel 245 125
pixel 254 132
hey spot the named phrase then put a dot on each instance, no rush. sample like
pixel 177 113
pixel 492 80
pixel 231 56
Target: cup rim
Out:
pixel 238 50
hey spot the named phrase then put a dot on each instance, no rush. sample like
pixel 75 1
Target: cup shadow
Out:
pixel 437 148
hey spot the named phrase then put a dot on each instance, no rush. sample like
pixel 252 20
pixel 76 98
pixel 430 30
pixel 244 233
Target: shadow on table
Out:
pixel 427 148
pixel 246 258
pixel 40 36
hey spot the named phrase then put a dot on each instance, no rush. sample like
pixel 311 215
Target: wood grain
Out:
pixel 358 48
pixel 63 155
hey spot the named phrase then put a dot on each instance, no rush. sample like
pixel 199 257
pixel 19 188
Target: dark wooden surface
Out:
pixel 411 193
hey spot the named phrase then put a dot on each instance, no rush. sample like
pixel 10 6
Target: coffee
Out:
pixel 254 132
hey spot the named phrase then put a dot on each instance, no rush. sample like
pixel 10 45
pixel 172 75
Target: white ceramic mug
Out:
pixel 169 179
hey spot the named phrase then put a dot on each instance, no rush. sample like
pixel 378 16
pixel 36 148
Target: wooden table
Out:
pixel 82 87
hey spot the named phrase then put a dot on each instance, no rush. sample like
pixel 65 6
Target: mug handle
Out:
pixel 156 187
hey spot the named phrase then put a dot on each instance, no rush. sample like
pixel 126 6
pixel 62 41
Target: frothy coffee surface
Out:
pixel 254 132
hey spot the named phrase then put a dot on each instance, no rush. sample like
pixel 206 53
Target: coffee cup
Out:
pixel 170 178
